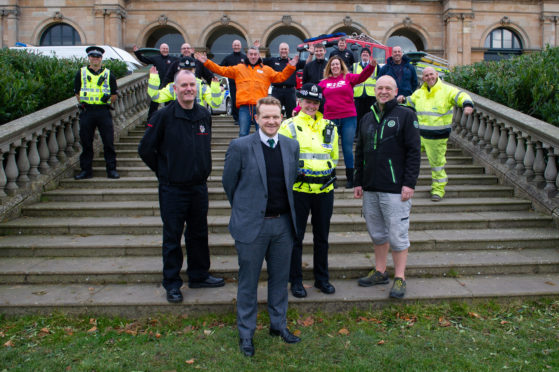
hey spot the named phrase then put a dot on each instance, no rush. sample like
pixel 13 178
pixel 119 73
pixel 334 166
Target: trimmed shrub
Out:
pixel 528 83
pixel 30 82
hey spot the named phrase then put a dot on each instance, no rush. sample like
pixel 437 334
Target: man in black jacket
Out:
pixel 387 159
pixel 201 72
pixel 162 63
pixel 177 147
pixel 234 59
pixel 345 54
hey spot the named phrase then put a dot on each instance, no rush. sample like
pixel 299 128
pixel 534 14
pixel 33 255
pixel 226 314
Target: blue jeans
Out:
pixel 246 118
pixel 346 130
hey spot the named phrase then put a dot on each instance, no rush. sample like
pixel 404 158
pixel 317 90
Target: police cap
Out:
pixel 94 51
pixel 310 91
pixel 187 63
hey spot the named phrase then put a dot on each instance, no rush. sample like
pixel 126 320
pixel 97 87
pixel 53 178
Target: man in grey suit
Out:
pixel 258 178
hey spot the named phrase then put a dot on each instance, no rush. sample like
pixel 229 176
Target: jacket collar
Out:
pixel 405 60
pixel 388 106
pixel 195 114
pixel 435 87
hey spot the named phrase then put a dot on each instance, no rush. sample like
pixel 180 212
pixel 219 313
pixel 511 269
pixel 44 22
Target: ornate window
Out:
pixel 289 35
pixel 219 43
pixel 407 39
pixel 502 43
pixel 60 34
pixel 168 35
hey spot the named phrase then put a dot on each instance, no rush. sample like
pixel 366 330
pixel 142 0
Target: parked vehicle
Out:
pixel 225 107
pixel 76 51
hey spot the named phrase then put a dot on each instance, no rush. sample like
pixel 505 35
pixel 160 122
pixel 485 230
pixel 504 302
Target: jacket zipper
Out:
pixel 392 170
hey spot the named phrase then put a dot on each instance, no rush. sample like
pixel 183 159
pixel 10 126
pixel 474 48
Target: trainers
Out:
pixel 436 198
pixel 398 288
pixel 373 278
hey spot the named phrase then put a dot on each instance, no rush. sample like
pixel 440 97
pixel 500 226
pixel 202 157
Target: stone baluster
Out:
pixel 511 148
pixel 475 127
pixel 468 134
pixel 481 131
pixel 23 164
pixel 529 159
pixel 463 121
pixel 495 139
pixel 502 145
pixel 539 165
pixel 44 166
pixel 488 134
pixel 556 152
pixel 519 154
pixel 34 158
pixel 11 171
pixel 53 147
pixel 61 141
pixel 3 179
pixel 69 134
pixel 76 130
pixel 550 173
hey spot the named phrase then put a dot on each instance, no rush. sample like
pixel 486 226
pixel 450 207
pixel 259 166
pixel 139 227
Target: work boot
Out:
pixel 349 175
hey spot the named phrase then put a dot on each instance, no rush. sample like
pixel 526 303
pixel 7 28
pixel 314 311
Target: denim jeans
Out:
pixel 346 131
pixel 246 118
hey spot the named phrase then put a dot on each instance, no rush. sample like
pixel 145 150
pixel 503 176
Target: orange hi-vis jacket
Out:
pixel 252 82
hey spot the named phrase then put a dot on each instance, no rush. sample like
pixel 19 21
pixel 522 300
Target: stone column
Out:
pixel 549 30
pixel 467 38
pixel 9 26
pixel 99 28
pixel 116 19
pixel 451 37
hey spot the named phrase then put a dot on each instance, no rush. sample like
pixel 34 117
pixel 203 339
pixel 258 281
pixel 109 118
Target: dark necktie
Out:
pixel 271 142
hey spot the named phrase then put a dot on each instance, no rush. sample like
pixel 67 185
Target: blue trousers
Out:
pixel 246 118
pixel 346 131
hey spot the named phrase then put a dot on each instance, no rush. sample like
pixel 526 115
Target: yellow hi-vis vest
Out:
pixel 316 158
pixel 91 92
pixel 434 107
pixel 213 95
pixel 368 84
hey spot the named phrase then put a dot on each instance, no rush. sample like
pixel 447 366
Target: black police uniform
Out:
pixel 234 59
pixel 96 116
pixel 346 55
pixel 285 91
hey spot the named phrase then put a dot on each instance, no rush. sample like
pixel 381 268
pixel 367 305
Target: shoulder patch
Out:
pixel 415 124
pixel 391 123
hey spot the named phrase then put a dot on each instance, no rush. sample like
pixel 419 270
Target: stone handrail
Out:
pixel 521 150
pixel 39 149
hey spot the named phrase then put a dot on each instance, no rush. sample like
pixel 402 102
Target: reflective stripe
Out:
pixel 172 89
pixel 442 180
pixel 309 172
pixel 310 156
pixel 153 98
pixel 431 127
pixel 216 95
pixel 291 127
pixel 430 113
pixel 437 169
pixel 410 102
pixel 456 98
pixel 151 86
pixel 358 85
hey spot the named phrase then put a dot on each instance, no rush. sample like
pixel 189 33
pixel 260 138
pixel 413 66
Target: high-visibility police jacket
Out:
pixel 368 85
pixel 213 95
pixel 317 158
pixel 91 91
pixel 434 108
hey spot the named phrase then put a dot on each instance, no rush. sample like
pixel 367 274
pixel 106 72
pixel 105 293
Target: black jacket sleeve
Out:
pixel 148 148
pixel 142 58
pixel 359 156
pixel 78 82
pixel 412 144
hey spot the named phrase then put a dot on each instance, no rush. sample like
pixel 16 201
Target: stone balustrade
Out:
pixel 40 148
pixel 521 150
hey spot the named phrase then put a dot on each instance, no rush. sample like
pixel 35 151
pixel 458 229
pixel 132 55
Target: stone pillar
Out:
pixel 99 28
pixel 549 30
pixel 467 38
pixel 9 26
pixel 116 19
pixel 452 40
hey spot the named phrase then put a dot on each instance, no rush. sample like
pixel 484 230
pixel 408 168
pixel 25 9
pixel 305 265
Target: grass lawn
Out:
pixel 519 336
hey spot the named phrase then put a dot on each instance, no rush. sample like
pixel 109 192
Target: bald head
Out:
pixel 386 89
pixel 284 50
pixel 430 76
pixel 236 46
pixel 164 49
pixel 397 54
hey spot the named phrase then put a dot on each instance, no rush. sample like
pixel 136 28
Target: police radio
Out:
pixel 328 132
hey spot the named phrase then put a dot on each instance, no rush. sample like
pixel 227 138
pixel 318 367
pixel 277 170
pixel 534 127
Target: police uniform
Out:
pixel 95 89
pixel 285 91
pixel 364 93
pixel 313 189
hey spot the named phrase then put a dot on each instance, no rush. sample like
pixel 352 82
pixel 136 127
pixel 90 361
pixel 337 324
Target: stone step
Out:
pixel 136 208
pixel 218 224
pixel 222 244
pixel 136 300
pixel 104 270
pixel 217 193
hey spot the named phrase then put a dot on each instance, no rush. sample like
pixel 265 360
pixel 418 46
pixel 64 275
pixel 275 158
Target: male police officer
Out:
pixel 95 88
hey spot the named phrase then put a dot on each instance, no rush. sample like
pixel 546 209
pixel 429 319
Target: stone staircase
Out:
pixel 94 246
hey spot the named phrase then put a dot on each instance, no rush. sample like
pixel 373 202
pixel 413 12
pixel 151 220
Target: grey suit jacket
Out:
pixel 244 181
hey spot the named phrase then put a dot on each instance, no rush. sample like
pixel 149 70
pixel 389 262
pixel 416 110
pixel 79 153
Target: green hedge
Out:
pixel 528 83
pixel 31 82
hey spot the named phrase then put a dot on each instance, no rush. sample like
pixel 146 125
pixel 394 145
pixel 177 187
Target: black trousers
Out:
pixel 91 118
pixel 234 108
pixel 321 207
pixel 363 105
pixel 287 98
pixel 153 107
pixel 180 205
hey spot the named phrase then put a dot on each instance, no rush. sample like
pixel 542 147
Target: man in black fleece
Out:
pixel 387 159
pixel 177 147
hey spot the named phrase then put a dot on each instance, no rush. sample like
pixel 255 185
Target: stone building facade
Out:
pixel 462 31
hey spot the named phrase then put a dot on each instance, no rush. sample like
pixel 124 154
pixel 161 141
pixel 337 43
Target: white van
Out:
pixel 79 52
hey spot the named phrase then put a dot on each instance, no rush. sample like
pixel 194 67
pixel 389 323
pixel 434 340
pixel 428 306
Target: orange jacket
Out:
pixel 252 82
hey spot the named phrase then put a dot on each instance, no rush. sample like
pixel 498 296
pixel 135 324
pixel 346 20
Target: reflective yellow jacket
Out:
pixel 317 158
pixel 368 84
pixel 434 108
pixel 91 92
pixel 213 95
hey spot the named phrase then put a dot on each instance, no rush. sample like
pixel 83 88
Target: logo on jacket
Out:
pixel 260 71
pixel 415 124
pixel 202 129
pixel 391 123
pixel 327 146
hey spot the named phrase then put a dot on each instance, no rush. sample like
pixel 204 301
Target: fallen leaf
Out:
pixel 92 329
pixel 131 332
pixel 474 315
pixel 208 332
pixel 190 361
pixel 297 332
pixel 93 321
pixel 309 321
pixel 69 331
pixel 2 334
pixel 40 293
pixel 504 322
pixel 381 342
pixel 9 344
pixel 343 331
pixel 91 289
pixel 550 283
pixel 45 330
pixel 158 335
pixel 443 322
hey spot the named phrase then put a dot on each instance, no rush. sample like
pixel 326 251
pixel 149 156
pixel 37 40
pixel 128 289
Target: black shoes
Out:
pixel 246 346
pixel 83 175
pixel 298 290
pixel 209 282
pixel 113 174
pixel 174 295
pixel 286 336
pixel 325 287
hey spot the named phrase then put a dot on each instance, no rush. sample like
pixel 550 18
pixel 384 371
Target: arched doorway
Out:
pixel 348 30
pixel 289 35
pixel 502 43
pixel 60 34
pixel 168 35
pixel 408 39
pixel 219 43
